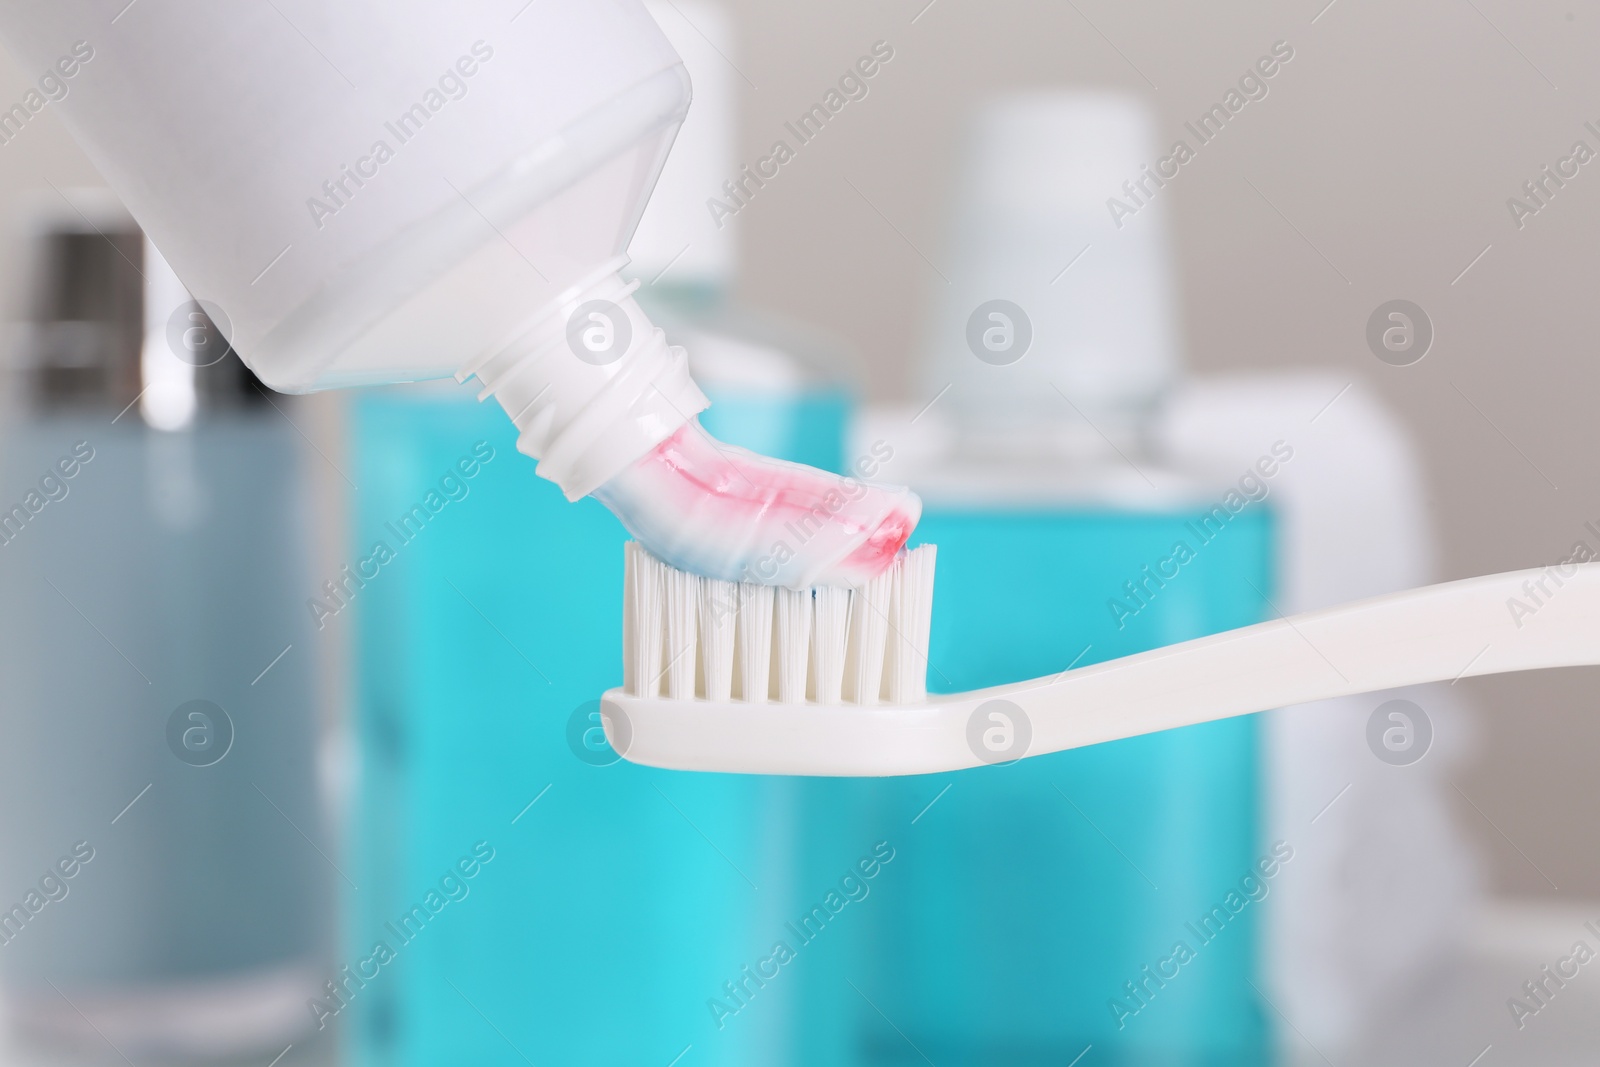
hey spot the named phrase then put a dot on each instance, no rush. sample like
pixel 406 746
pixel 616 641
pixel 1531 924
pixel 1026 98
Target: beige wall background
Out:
pixel 1388 148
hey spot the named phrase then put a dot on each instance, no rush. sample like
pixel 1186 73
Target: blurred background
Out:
pixel 1229 329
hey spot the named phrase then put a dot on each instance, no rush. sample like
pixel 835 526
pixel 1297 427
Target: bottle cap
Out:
pixel 1057 328
pixel 110 326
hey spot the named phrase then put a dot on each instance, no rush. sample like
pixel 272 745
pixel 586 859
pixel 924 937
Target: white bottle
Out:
pixel 379 191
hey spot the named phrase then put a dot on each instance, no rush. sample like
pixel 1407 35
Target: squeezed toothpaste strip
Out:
pixel 730 514
pixel 622 429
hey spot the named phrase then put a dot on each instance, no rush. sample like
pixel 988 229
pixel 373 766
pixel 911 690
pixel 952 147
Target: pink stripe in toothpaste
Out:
pixel 729 513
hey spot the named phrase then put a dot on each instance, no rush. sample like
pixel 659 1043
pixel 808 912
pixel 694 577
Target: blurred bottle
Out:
pixel 1026 901
pixel 163 875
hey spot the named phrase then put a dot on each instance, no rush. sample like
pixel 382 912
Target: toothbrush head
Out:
pixel 801 739
pixel 705 659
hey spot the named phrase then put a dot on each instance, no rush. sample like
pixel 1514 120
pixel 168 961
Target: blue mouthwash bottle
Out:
pixel 1034 910
pixel 606 902
pixel 161 712
pixel 1026 897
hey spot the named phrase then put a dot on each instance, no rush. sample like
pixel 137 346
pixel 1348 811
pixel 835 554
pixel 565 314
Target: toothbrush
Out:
pixel 871 720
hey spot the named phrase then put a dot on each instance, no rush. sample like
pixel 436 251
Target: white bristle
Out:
pixel 719 613
pixel 685 636
pixel 682 600
pixel 754 651
pixel 791 650
pixel 829 644
pixel 641 623
pixel 869 625
pixel 910 617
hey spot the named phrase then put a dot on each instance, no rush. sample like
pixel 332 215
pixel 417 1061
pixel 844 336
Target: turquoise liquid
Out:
pixel 621 901
pixel 1027 895
pixel 629 914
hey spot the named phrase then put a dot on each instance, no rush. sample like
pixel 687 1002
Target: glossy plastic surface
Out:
pixel 1438 633
pixel 387 203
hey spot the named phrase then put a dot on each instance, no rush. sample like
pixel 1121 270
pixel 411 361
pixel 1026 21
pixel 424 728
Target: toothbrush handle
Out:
pixel 1523 620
